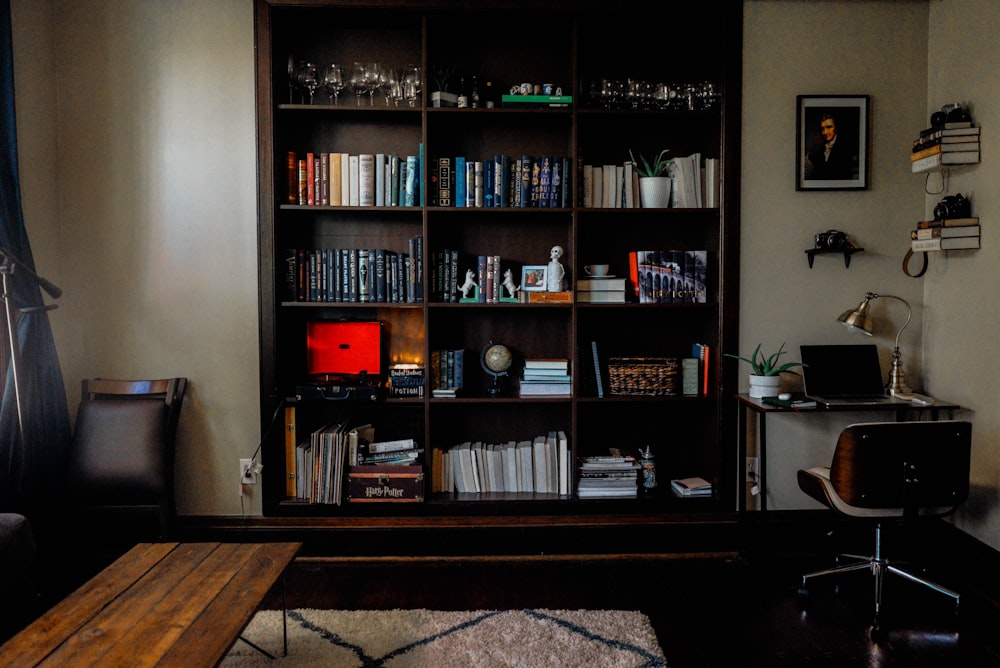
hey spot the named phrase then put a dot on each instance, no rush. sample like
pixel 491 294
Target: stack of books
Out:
pixel 955 143
pixel 949 234
pixel 543 377
pixel 608 476
pixel 602 290
pixel 689 487
pixel 398 452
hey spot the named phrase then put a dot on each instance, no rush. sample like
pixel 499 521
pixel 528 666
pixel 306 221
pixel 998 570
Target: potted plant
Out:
pixel 765 372
pixel 442 76
pixel 654 184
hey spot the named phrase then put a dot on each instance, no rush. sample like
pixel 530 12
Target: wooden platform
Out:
pixel 161 604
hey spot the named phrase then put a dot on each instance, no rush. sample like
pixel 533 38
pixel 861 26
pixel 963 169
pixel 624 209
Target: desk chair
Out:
pixel 892 471
pixel 122 451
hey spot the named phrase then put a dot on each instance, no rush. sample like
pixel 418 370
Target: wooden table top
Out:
pixel 160 604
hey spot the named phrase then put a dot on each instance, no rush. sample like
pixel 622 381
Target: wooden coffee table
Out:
pixel 160 604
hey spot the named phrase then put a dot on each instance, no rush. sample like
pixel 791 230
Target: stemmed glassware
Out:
pixel 373 80
pixel 359 80
pixel 388 79
pixel 412 83
pixel 308 78
pixel 333 81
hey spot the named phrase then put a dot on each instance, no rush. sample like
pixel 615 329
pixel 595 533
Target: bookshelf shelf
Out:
pixel 691 435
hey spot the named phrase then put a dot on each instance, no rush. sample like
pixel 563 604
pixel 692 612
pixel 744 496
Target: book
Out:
pixel 366 179
pixel 412 191
pixel 947 222
pixel 560 363
pixel 797 401
pixel 694 486
pixel 941 159
pixel 957 243
pixel 602 297
pixel 935 149
pixel 459 184
pixel 945 232
pixel 598 380
pixel 600 284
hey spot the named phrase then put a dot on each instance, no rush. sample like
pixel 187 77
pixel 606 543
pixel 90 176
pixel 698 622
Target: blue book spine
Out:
pixel 412 181
pixel 420 181
pixel 503 181
pixel 524 182
pixel 470 183
pixel 460 183
pixel 488 186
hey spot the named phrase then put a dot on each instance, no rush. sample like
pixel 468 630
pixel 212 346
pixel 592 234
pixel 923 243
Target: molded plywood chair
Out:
pixel 122 452
pixel 892 471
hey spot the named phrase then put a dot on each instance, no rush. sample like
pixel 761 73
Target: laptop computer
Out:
pixel 843 375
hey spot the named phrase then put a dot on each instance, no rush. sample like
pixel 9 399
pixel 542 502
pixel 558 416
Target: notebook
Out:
pixel 843 374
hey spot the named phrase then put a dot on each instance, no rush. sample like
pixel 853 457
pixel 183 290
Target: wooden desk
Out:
pixel 747 405
pixel 160 604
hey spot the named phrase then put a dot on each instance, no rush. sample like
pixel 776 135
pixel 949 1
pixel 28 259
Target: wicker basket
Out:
pixel 649 376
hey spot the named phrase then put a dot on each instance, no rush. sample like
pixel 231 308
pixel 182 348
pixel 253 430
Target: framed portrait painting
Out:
pixel 831 147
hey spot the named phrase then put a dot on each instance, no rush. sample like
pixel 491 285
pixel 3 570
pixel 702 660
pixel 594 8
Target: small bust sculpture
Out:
pixel 555 273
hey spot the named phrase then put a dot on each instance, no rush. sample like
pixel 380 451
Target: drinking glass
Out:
pixel 373 80
pixel 412 83
pixel 333 81
pixel 308 78
pixel 388 80
pixel 359 80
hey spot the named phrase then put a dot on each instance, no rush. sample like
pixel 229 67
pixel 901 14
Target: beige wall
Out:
pixel 152 232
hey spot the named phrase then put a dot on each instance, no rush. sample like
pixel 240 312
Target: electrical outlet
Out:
pixel 248 472
pixel 752 469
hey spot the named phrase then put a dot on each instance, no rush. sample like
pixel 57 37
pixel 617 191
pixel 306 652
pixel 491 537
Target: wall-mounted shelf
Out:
pixel 847 253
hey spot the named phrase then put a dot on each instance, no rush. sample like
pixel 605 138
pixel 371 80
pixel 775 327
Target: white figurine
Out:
pixel 555 273
pixel 508 282
pixel 469 285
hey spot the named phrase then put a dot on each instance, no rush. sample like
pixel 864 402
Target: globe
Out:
pixel 497 359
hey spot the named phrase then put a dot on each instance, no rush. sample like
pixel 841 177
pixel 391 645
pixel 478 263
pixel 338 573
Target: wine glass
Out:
pixel 292 70
pixel 359 80
pixel 373 80
pixel 412 83
pixel 308 78
pixel 388 80
pixel 333 81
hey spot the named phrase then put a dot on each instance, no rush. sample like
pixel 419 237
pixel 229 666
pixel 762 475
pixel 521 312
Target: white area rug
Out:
pixel 440 639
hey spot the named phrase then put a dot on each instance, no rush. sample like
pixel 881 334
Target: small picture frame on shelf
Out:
pixel 533 278
pixel 832 139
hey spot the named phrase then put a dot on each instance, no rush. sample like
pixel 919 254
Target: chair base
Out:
pixel 879 568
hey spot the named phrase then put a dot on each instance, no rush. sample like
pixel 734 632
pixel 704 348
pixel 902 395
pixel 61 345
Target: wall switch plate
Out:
pixel 248 472
pixel 752 470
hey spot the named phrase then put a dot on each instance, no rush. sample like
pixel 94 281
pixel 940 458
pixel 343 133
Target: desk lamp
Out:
pixel 859 319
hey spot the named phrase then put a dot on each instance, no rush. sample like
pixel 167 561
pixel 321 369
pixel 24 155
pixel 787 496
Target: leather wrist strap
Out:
pixel 906 264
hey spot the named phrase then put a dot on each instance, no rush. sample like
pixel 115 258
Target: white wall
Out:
pixel 152 228
pixel 962 315
pixel 147 218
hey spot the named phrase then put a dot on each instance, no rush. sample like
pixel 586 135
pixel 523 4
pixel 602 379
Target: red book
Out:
pixel 310 179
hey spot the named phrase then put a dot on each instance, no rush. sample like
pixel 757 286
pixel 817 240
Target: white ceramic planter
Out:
pixel 764 386
pixel 654 192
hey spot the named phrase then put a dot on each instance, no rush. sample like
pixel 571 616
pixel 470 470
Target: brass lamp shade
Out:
pixel 858 319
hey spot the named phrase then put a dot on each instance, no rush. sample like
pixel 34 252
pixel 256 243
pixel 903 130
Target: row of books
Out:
pixel 670 276
pixel 320 461
pixel 539 465
pixel 950 234
pixel 500 181
pixel 546 377
pixel 354 274
pixel 615 475
pixel 456 276
pixel 447 370
pixel 604 290
pixel 342 179
pixel 955 144
pixel 694 184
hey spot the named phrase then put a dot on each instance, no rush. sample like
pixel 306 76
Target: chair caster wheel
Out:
pixel 877 634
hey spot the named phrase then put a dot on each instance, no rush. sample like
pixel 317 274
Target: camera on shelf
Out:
pixel 833 240
pixel 950 113
pixel 953 206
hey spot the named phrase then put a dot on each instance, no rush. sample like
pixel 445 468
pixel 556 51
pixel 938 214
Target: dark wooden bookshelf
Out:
pixel 571 44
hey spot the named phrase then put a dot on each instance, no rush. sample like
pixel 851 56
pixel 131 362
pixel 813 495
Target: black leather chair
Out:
pixel 122 452
pixel 890 472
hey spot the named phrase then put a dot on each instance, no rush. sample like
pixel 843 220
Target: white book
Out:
pixel 539 461
pixel 345 179
pixel 608 186
pixel 711 182
pixel 552 463
pixel 525 454
pixel 392 446
pixel 508 453
pixel 619 194
pixel 565 463
pixel 588 186
pixel 627 185
pixel 380 179
pixel 597 187
pixel 479 468
pixel 494 460
pixel 365 180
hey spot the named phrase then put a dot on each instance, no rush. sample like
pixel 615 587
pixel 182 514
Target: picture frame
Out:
pixel 844 119
pixel 533 277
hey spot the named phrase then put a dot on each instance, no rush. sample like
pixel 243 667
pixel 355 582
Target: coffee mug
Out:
pixel 596 270
pixel 526 88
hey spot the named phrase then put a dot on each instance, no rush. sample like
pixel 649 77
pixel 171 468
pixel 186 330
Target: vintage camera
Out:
pixel 953 206
pixel 832 240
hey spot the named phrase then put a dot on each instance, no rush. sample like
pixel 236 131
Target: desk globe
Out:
pixel 495 359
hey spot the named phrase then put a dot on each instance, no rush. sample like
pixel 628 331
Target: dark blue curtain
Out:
pixel 31 454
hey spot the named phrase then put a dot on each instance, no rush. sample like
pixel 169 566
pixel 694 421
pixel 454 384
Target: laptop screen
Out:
pixel 343 348
pixel 841 370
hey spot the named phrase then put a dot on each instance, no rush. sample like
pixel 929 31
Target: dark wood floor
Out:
pixel 707 612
